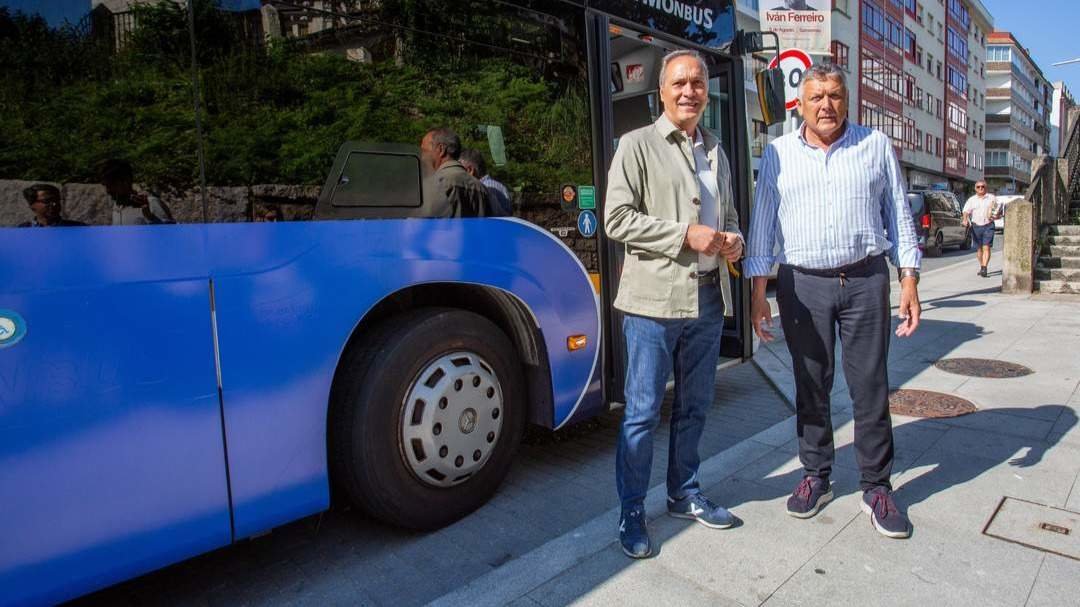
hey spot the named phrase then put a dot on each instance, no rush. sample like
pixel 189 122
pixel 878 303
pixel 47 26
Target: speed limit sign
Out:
pixel 793 62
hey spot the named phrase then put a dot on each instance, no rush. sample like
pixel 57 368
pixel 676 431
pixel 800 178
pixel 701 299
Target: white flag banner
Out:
pixel 802 24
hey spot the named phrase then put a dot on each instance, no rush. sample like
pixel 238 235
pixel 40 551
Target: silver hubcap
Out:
pixel 451 419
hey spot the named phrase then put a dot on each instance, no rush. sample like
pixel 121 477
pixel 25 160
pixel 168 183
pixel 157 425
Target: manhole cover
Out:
pixel 1036 526
pixel 924 403
pixel 982 367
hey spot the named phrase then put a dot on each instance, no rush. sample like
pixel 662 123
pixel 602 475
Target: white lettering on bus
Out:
pixel 692 14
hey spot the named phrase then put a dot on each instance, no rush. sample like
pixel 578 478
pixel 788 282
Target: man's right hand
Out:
pixel 760 312
pixel 704 239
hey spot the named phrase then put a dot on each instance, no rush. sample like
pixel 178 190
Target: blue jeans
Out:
pixel 654 347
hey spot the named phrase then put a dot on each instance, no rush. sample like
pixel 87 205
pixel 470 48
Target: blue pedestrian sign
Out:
pixel 586 223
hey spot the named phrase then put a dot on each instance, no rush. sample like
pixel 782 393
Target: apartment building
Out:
pixel 1018 100
pixel 915 72
pixel 1061 106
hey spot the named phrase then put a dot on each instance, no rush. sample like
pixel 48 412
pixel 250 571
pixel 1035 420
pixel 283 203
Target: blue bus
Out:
pixel 225 293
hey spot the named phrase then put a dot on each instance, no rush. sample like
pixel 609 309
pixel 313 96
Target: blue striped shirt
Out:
pixel 821 210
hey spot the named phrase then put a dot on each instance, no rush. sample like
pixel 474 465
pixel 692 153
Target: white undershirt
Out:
pixel 710 196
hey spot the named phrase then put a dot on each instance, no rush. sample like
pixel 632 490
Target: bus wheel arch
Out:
pixel 373 454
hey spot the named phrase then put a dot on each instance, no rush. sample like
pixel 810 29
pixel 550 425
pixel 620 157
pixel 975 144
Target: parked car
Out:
pixel 939 222
pixel 1003 201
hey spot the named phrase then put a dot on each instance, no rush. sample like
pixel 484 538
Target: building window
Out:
pixel 873 20
pixel 937 146
pixel 840 54
pixel 918 56
pixel 957 81
pixel 998 53
pixel 840 5
pixel 997 158
pixel 909 44
pixel 939 74
pixel 957 45
pixel 918 140
pixel 929 143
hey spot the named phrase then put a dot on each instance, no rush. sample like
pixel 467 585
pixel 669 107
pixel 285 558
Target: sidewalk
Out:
pixel 951 474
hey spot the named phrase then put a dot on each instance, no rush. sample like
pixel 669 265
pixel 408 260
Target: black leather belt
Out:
pixel 707 278
pixel 840 271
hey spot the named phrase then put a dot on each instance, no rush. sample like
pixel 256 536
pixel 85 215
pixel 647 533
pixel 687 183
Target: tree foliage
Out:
pixel 271 113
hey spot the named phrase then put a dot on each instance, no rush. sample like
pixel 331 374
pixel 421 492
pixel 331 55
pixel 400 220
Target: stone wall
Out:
pixel 89 204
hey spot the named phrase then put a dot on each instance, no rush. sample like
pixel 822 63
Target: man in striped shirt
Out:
pixel 830 199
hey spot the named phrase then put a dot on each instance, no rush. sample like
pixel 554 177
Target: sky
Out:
pixel 1047 29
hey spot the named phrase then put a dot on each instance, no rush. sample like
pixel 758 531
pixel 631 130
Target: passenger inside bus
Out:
pixel 46 205
pixel 454 192
pixel 130 207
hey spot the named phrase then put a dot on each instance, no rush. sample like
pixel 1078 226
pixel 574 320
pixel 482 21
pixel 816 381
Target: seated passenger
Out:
pixel 455 192
pixel 130 208
pixel 45 204
pixel 269 214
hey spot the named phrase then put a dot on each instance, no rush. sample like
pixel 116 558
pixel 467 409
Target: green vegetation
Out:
pixel 270 114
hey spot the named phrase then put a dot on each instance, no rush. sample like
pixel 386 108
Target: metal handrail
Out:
pixel 1071 153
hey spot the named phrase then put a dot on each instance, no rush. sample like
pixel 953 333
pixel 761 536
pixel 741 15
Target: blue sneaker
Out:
pixel 633 534
pixel 698 507
pixel 884 515
pixel 809 497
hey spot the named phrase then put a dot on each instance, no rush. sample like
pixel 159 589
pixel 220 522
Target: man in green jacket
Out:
pixel 450 191
pixel 669 201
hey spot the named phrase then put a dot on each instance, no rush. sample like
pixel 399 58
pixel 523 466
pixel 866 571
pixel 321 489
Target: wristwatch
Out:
pixel 903 273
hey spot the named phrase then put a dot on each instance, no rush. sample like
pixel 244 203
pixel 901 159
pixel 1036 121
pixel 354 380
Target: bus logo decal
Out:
pixel 12 328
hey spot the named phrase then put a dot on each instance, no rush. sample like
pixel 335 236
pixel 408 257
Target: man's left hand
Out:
pixel 732 248
pixel 910 309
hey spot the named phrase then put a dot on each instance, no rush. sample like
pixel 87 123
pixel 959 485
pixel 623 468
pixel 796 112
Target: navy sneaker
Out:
pixel 698 507
pixel 884 514
pixel 809 497
pixel 633 535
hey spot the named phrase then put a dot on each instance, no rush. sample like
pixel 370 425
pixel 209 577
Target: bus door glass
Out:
pixel 631 100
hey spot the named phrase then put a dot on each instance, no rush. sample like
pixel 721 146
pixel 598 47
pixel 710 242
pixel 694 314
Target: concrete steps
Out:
pixel 1057 286
pixel 1051 263
pixel 1058 268
pixel 1066 274
pixel 1064 240
pixel 1063 251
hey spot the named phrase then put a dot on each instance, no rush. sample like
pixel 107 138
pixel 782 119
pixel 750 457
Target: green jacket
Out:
pixel 650 203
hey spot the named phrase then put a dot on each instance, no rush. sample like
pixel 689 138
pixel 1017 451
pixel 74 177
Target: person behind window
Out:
pixel 456 193
pixel 45 204
pixel 269 214
pixel 498 195
pixel 130 207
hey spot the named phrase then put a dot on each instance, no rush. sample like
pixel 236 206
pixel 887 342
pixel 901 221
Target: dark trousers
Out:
pixel 812 307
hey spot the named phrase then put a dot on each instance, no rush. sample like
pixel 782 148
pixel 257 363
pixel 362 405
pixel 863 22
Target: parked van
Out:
pixel 939 222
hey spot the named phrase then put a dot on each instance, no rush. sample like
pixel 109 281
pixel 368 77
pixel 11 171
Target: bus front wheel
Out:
pixel 426 415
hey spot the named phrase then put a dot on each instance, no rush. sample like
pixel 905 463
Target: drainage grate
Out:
pixel 982 367
pixel 924 403
pixel 1036 526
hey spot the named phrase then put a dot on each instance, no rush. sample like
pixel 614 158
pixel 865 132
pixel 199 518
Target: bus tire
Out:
pixel 430 396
